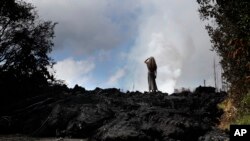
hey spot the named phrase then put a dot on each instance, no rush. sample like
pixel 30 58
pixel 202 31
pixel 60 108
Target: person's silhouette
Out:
pixel 152 72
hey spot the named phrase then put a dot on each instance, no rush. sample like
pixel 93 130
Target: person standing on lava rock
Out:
pixel 152 72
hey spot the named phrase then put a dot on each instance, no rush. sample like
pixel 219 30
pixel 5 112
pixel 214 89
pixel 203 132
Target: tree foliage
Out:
pixel 229 29
pixel 25 42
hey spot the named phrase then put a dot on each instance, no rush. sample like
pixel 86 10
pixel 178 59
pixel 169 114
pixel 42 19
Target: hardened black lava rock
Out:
pixel 112 115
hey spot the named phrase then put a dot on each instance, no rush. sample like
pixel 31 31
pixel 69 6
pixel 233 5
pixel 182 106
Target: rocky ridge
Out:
pixel 112 115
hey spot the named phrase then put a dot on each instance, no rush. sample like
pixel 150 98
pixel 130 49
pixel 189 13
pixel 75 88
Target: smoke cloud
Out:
pixel 104 43
pixel 162 36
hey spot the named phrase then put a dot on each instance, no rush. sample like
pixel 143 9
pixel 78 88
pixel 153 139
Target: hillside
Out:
pixel 109 114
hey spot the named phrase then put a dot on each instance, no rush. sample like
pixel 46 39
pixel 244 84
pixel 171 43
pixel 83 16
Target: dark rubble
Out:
pixel 112 115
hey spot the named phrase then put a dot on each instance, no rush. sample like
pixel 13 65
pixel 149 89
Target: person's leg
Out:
pixel 151 81
pixel 149 88
pixel 154 86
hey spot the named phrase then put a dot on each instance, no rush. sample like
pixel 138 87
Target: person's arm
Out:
pixel 146 61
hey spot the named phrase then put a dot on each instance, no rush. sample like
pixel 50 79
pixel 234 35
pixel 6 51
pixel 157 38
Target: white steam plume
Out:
pixel 162 36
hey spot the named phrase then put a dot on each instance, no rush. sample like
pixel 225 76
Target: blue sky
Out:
pixel 103 43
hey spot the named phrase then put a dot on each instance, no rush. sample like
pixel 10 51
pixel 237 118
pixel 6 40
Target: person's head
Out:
pixel 151 64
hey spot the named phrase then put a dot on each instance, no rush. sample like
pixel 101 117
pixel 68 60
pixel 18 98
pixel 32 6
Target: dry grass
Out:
pixel 229 114
pixel 233 115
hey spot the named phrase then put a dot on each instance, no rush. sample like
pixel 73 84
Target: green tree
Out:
pixel 25 42
pixel 229 29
